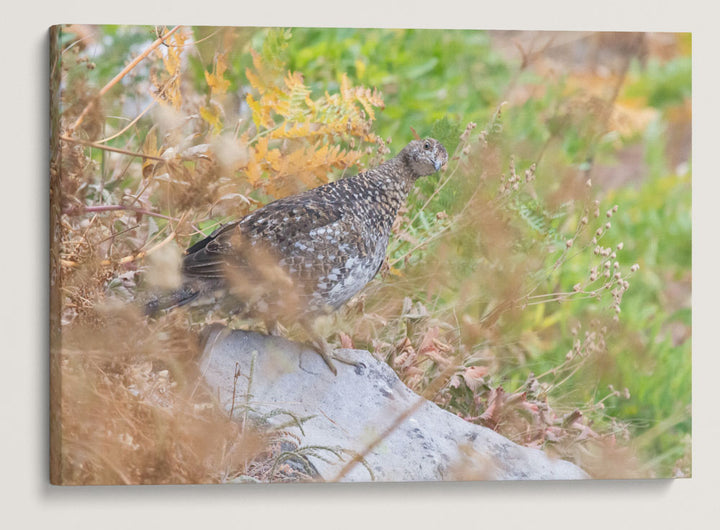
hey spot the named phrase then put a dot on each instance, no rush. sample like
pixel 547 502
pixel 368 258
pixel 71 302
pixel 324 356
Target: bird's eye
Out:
pixel 426 146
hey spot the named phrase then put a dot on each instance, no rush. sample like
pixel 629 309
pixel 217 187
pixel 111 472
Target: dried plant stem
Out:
pixel 118 207
pixel 111 149
pixel 119 76
pixel 248 395
pixel 142 253
pixel 133 122
pixel 555 385
pixel 132 257
pixel 437 190
pixel 236 375
pixel 421 244
pixel 436 234
pixel 108 461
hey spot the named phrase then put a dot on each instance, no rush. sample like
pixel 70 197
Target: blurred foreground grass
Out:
pixel 516 264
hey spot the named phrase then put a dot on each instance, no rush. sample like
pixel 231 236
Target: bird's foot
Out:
pixel 344 357
pixel 329 354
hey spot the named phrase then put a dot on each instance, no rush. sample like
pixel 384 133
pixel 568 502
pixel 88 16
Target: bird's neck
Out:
pixel 396 175
pixel 385 190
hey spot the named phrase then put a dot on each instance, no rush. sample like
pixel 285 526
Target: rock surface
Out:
pixel 353 409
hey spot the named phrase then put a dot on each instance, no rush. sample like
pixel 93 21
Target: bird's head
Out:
pixel 424 156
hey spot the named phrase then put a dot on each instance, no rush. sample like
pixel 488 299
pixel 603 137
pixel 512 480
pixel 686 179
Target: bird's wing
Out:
pixel 292 219
pixel 275 227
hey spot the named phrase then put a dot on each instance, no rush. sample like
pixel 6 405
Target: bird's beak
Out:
pixel 437 165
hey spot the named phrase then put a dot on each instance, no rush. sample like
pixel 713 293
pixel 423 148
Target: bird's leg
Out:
pixel 326 351
pixel 273 327
pixel 320 345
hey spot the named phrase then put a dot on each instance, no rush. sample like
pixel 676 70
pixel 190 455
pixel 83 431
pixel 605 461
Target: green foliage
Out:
pixel 425 75
pixel 653 354
pixel 664 83
pixel 436 82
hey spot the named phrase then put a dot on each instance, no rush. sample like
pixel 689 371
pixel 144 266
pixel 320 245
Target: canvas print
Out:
pixel 340 254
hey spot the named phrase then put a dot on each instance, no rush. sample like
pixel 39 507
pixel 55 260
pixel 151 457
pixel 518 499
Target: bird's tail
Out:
pixel 182 296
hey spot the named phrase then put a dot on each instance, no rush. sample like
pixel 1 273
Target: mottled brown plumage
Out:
pixel 308 254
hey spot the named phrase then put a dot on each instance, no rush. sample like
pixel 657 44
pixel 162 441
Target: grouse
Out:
pixel 308 254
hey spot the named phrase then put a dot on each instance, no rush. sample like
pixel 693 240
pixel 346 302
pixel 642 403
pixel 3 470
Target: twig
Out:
pixel 132 257
pixel 248 395
pixel 436 234
pixel 119 76
pixel 421 244
pixel 107 148
pixel 235 379
pixel 142 254
pixel 115 208
pixel 133 122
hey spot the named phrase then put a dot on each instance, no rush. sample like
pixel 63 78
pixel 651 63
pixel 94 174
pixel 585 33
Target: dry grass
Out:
pixel 128 404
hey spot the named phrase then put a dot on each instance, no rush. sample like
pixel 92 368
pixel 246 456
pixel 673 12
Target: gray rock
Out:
pixel 352 410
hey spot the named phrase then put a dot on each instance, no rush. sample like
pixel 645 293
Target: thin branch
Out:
pixel 132 257
pixel 117 208
pixel 133 122
pixel 436 234
pixel 142 253
pixel 119 76
pixel 111 149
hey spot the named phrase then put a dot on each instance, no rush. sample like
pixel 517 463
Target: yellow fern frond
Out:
pixel 217 83
pixel 212 115
pixel 172 60
pixel 254 81
pixel 320 129
pixel 260 113
pixel 293 130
